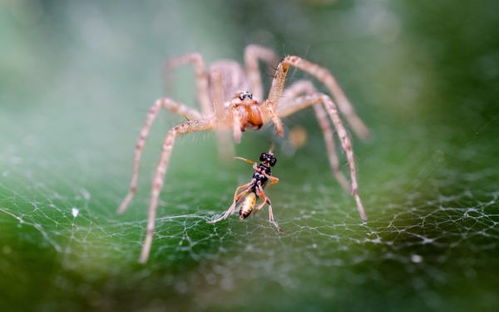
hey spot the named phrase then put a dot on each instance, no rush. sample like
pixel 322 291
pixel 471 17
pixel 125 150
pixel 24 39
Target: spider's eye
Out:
pixel 263 156
pixel 245 95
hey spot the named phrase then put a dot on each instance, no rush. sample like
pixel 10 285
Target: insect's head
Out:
pixel 268 158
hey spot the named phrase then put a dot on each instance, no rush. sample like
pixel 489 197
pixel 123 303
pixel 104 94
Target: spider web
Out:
pixel 430 243
pixel 428 235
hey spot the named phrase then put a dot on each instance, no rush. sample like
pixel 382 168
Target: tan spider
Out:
pixel 231 100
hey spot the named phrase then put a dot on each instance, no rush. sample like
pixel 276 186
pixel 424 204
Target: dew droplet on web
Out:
pixel 75 212
pixel 416 258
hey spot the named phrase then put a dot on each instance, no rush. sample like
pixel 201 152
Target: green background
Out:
pixel 76 81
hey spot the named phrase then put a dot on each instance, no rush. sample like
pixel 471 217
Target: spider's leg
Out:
pixel 180 109
pixel 236 124
pixel 324 76
pixel 201 78
pixel 330 146
pixel 296 89
pixel 158 180
pixel 252 54
pixel 225 145
pixel 266 200
pixel 290 104
pixel 279 129
pixel 346 144
pixel 173 106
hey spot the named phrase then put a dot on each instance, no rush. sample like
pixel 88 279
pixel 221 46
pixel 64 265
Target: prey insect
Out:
pixel 246 195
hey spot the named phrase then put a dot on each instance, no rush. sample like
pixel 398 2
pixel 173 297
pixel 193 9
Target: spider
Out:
pixel 254 189
pixel 231 100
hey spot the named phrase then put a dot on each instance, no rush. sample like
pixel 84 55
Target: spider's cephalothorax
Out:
pixel 227 108
pixel 248 111
pixel 247 195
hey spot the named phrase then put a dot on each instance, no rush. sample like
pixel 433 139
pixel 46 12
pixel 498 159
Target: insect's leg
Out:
pixel 226 214
pixel 234 203
pixel 245 189
pixel 169 104
pixel 232 207
pixel 158 180
pixel 324 76
pixel 201 78
pixel 251 56
pixel 242 194
pixel 273 180
pixel 266 200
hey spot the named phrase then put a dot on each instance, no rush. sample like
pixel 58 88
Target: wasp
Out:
pixel 246 195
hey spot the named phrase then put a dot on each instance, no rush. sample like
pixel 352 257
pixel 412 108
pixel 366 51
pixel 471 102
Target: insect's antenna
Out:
pixel 271 149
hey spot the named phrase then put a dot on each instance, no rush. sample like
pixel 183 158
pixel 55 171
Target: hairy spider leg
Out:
pixel 324 76
pixel 225 145
pixel 236 124
pixel 346 144
pixel 330 146
pixel 306 87
pixel 252 54
pixel 158 180
pixel 172 106
pixel 201 78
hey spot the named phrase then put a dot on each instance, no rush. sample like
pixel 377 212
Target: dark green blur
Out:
pixel 77 79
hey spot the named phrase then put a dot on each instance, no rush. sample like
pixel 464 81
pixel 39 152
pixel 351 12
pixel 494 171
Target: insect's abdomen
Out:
pixel 247 206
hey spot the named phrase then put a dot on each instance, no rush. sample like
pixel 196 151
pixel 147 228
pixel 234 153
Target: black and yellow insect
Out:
pixel 246 196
